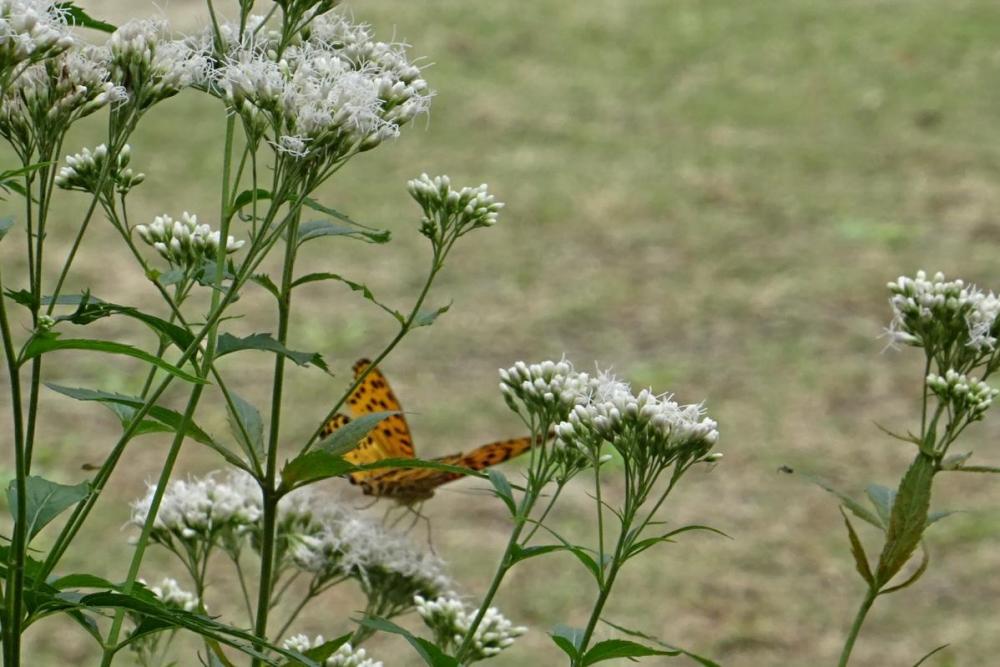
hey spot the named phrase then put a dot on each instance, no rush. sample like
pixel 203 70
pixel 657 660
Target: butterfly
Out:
pixel 391 439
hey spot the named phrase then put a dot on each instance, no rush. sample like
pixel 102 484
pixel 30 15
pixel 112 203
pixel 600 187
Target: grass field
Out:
pixel 711 197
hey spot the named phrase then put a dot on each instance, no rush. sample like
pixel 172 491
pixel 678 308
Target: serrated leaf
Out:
pixel 502 489
pixel 6 224
pixel 40 345
pixel 312 467
pixel 347 437
pixel 356 287
pixel 908 519
pixel 431 654
pixel 89 309
pixel 659 642
pixel 857 509
pixel 246 425
pixel 425 318
pixel 882 499
pixel 81 580
pixel 44 501
pixel 912 579
pixel 610 649
pixel 171 418
pixel 126 413
pixel 858 551
pixel 228 343
pixel 79 17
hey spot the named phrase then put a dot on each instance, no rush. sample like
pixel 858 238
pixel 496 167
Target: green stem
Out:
pixel 595 613
pixel 15 572
pixel 859 620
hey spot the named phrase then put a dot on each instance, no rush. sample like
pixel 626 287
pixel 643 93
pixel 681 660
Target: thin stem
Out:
pixel 541 519
pixel 859 620
pixel 243 588
pixel 15 572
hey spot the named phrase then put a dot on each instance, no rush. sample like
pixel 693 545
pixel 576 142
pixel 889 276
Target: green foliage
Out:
pixel 45 501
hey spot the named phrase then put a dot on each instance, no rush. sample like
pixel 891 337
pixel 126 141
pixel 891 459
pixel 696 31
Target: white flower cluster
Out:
pixel 449 620
pixel 40 104
pixel 333 92
pixel 184 243
pixel 151 65
pixel 447 210
pixel 31 30
pixel 935 312
pixel 200 510
pixel 83 171
pixel 549 389
pixel 643 423
pixel 170 593
pixel 345 656
pixel 386 564
pixel 966 395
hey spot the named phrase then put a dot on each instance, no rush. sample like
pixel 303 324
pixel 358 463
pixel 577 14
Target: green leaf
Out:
pixel 501 487
pixel 347 437
pixel 670 647
pixel 912 579
pixel 928 655
pixel 374 235
pixel 580 553
pixel 247 196
pixel 126 413
pixel 610 649
pixel 425 318
pixel 170 418
pixel 857 509
pixel 246 425
pixel 568 639
pixel 882 499
pixel 641 545
pixel 90 309
pixel 42 344
pixel 265 281
pixel 81 580
pixel 44 501
pixel 357 287
pixel 79 17
pixel 325 650
pixel 908 519
pixel 312 467
pixel 315 229
pixel 228 344
pixel 519 553
pixel 5 226
pixel 934 517
pixel 858 551
pixel 430 653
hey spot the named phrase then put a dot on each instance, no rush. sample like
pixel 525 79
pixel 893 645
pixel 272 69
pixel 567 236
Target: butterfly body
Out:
pixel 391 439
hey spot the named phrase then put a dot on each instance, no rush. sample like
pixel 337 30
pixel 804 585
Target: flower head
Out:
pixel 548 390
pixel 967 397
pixel 449 620
pixel 449 212
pixel 83 171
pixel 184 243
pixel 345 655
pixel 152 66
pixel 170 593
pixel 30 31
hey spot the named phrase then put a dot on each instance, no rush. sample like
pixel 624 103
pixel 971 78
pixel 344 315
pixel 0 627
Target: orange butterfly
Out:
pixel 391 439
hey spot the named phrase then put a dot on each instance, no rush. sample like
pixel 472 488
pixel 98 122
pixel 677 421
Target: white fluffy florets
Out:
pixel 345 656
pixel 184 242
pixel 449 620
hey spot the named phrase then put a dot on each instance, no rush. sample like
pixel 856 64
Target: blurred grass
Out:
pixel 711 197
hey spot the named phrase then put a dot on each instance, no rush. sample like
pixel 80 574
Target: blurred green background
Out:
pixel 709 196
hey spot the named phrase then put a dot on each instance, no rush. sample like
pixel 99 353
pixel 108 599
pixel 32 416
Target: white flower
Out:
pixel 151 65
pixel 965 394
pixel 184 242
pixel 83 171
pixel 345 656
pixel 549 388
pixel 30 31
pixel 199 510
pixel 448 618
pixel 932 313
pixel 170 593
pixel 449 210
pixel 332 92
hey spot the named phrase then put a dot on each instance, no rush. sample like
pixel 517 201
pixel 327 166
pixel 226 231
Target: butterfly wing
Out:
pixel 412 484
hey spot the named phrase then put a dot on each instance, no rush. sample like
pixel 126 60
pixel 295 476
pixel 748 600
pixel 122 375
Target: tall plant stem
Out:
pixel 268 487
pixel 859 620
pixel 15 571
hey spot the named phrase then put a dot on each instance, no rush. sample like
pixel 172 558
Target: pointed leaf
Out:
pixel 908 519
pixel 247 425
pixel 374 235
pixel 431 654
pixel 519 553
pixel 568 639
pixel 315 229
pixel 40 345
pixel 928 655
pixel 79 17
pixel 610 649
pixel 501 487
pixel 44 501
pixel 670 647
pixel 247 196
pixel 857 509
pixel 858 551
pixel 228 344
pixel 265 281
pixel 312 467
pixel 425 318
pixel 357 287
pixel 347 437
pixel 912 579
pixel 882 499
pixel 6 224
